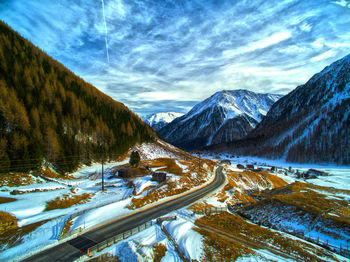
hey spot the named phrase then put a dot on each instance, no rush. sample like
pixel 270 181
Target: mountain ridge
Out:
pixel 224 116
pixel 310 124
pixel 159 120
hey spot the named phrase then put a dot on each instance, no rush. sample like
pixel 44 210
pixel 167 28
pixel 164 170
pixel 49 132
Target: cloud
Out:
pixel 167 55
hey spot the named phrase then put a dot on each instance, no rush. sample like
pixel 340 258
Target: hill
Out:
pixel 309 125
pixel 225 116
pixel 48 114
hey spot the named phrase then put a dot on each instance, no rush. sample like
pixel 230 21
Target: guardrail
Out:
pixel 115 239
pixel 211 210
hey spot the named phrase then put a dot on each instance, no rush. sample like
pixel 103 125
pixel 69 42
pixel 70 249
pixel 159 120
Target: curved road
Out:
pixel 74 248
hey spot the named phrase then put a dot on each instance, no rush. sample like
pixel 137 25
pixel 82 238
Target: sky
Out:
pixel 157 56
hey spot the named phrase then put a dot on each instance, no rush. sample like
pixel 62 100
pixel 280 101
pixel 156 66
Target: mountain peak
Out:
pixel 225 116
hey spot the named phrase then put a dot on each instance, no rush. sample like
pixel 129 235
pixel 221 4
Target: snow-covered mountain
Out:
pixel 223 117
pixel 310 124
pixel 159 120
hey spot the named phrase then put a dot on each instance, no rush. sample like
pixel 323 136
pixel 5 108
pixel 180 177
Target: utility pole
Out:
pixel 103 186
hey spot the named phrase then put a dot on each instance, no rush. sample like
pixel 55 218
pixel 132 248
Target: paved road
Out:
pixel 72 249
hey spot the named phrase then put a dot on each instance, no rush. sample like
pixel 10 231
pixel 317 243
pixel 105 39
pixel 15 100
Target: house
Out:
pixel 158 176
pixel 239 166
pixel 225 162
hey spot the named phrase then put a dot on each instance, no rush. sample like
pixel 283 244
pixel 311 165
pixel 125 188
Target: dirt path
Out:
pixel 246 242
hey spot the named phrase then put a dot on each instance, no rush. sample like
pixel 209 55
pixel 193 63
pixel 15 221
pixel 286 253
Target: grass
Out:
pixel 14 236
pixel 308 198
pixel 67 201
pixel 15 180
pixel 200 207
pixel 66 227
pixel 167 165
pixel 159 251
pixel 4 200
pixel 105 257
pixel 236 226
pixel 216 248
pixel 49 173
pixel 184 180
pixel 7 218
pixel 235 190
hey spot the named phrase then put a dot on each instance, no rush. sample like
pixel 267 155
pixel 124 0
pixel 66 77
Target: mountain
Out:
pixel 49 115
pixel 223 117
pixel 310 124
pixel 159 120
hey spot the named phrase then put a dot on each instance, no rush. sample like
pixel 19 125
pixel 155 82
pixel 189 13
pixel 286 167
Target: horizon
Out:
pixel 169 56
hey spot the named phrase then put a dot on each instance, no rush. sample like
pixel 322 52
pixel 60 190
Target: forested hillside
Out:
pixel 48 114
pixel 309 125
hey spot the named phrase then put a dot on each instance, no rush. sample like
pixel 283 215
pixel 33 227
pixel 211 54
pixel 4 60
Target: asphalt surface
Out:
pixel 74 248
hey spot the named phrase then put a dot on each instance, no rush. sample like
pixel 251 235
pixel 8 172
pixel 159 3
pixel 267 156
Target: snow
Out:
pixel 338 177
pixel 163 117
pixel 234 103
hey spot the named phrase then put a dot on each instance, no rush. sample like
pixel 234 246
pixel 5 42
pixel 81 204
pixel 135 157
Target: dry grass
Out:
pixel 159 251
pixel 238 182
pixel 15 180
pixel 217 248
pixel 185 180
pixel 200 207
pixel 168 165
pixel 7 218
pixel 67 201
pixel 308 198
pixel 4 200
pixel 14 236
pixel 67 227
pixel 236 226
pixel 49 173
pixel 105 257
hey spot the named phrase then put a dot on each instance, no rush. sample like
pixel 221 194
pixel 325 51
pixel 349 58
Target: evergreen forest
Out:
pixel 48 115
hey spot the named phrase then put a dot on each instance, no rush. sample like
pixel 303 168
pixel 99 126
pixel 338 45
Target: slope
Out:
pixel 225 116
pixel 48 114
pixel 310 124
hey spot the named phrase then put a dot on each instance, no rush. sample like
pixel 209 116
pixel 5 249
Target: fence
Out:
pixel 211 210
pixel 115 239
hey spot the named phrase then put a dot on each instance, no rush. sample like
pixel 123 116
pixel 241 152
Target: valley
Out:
pixel 261 211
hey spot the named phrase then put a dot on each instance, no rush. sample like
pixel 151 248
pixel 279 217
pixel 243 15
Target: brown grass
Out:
pixel 66 227
pixel 172 188
pixel 200 207
pixel 105 257
pixel 7 217
pixel 15 180
pixel 234 191
pixel 159 251
pixel 236 226
pixel 4 200
pixel 217 248
pixel 14 236
pixel 308 198
pixel 67 201
pixel 169 165
pixel 49 173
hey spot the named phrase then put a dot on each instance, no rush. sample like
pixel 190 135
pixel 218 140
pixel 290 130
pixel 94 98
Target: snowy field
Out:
pixel 339 176
pixel 31 206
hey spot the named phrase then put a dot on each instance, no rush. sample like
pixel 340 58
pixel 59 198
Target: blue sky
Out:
pixel 168 55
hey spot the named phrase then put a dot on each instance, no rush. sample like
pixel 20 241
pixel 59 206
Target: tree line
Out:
pixel 48 114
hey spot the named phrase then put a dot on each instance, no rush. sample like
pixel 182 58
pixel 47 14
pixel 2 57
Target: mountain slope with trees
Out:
pixel 48 114
pixel 309 125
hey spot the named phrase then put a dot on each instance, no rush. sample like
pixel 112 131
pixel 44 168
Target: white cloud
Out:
pixel 322 56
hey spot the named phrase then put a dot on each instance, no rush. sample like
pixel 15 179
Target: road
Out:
pixel 74 248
